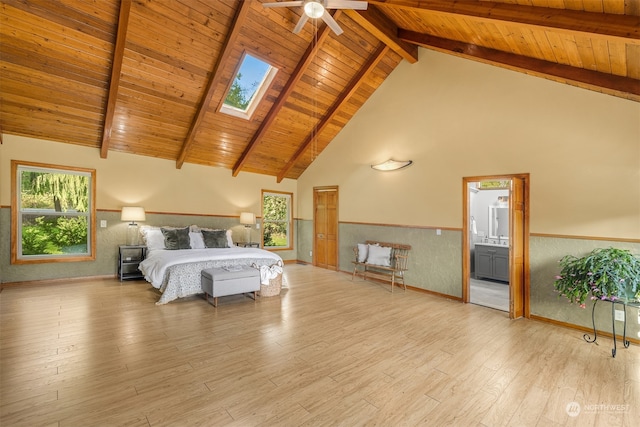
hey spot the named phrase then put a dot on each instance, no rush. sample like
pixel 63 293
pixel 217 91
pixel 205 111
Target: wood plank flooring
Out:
pixel 328 351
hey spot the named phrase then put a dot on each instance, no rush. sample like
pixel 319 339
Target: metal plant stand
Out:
pixel 624 304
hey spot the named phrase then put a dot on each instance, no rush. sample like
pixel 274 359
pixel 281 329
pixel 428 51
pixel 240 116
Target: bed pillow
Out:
pixel 215 238
pixel 176 238
pixel 195 240
pixel 152 237
pixel 379 255
pixel 229 234
pixel 363 252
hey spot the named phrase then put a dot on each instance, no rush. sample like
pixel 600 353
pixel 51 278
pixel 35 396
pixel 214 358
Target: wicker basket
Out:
pixel 273 288
pixel 275 284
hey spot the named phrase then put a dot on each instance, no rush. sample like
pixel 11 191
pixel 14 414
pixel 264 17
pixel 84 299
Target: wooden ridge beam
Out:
pixel 344 97
pixel 323 32
pixel 623 87
pixel 116 69
pixel 214 79
pixel 625 28
pixel 376 23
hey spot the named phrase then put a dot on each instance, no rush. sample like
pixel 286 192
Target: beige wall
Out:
pixel 453 118
pixel 457 118
pixel 155 184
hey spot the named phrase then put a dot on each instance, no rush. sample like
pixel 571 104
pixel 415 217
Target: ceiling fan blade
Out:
pixel 284 4
pixel 303 20
pixel 347 4
pixel 332 23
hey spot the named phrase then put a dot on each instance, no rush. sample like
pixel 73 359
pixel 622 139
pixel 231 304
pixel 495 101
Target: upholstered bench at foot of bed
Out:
pixel 219 282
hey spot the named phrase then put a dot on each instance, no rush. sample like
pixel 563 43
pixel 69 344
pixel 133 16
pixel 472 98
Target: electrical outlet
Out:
pixel 620 315
pixel 438 232
pixel 638 317
pixel 310 253
pixel 103 223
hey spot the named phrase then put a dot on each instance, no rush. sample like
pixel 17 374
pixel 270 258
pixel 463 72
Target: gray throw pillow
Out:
pixel 215 238
pixel 176 238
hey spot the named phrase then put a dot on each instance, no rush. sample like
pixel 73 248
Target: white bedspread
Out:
pixel 176 273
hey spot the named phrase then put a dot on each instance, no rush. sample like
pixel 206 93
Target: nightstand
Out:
pixel 248 244
pixel 129 259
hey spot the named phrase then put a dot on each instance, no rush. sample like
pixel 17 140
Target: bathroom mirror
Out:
pixel 498 222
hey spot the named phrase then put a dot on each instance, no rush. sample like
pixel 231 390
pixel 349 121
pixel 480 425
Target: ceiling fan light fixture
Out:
pixel 314 9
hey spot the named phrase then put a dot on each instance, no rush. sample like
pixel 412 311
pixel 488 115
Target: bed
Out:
pixel 175 271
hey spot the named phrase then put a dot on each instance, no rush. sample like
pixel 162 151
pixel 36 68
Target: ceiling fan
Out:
pixel 318 9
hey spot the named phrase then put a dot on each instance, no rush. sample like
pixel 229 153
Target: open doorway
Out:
pixel 495 243
pixel 489 244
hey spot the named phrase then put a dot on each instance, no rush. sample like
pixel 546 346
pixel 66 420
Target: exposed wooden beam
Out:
pixel 214 78
pixel 376 23
pixel 623 87
pixel 116 69
pixel 304 63
pixel 344 97
pixel 608 26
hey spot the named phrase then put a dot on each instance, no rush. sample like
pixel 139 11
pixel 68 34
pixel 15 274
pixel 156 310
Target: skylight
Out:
pixel 248 87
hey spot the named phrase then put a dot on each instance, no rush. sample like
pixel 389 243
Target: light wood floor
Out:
pixel 328 351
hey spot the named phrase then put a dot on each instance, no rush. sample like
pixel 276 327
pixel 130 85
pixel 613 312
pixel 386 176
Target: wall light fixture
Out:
pixel 392 165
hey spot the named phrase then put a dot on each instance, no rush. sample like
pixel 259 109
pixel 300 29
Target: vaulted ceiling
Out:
pixel 149 76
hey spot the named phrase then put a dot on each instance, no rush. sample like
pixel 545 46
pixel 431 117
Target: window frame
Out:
pixel 16 214
pixel 289 221
pixel 259 93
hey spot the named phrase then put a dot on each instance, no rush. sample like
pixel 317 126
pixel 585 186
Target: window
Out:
pixel 52 213
pixel 276 220
pixel 249 86
pixel 494 184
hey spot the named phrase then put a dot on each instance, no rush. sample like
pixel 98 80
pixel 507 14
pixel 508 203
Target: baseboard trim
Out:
pixel 55 281
pixel 434 293
pixel 409 287
pixel 581 328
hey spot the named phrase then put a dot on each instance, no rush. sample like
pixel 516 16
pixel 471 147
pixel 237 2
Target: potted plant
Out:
pixel 606 274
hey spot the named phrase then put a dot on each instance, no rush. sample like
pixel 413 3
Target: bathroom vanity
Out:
pixel 492 261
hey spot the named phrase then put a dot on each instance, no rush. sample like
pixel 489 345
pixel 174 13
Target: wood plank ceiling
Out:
pixel 149 76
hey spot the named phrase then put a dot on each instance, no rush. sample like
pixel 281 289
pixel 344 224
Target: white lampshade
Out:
pixel 133 214
pixel 247 218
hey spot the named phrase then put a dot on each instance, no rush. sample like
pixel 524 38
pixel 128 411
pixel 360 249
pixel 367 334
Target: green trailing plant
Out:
pixel 605 274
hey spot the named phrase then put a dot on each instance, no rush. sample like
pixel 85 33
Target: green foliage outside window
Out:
pixel 237 96
pixel 45 198
pixel 275 217
pixel 494 185
pixel 54 235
